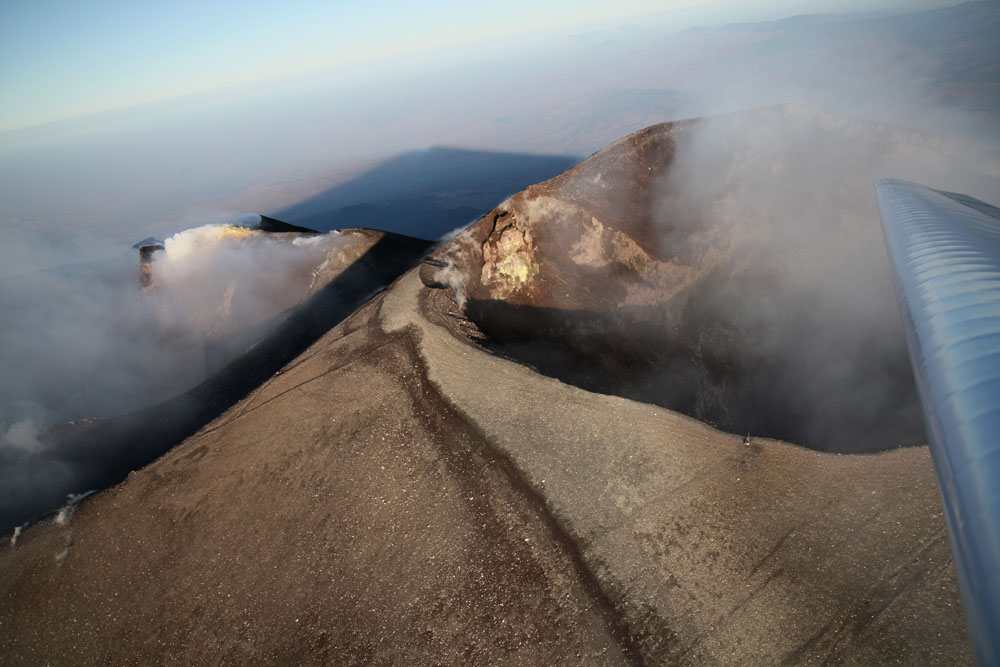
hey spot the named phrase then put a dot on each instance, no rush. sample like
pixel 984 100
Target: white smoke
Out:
pixel 24 433
pixel 802 307
pixel 456 279
pixel 66 512
pixel 460 249
pixel 87 341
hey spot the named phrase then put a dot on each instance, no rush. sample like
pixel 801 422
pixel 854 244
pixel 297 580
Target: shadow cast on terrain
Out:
pixel 103 452
pixel 427 193
pixel 710 370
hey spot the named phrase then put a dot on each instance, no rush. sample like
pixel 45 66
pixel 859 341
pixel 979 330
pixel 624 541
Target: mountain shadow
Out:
pixel 426 193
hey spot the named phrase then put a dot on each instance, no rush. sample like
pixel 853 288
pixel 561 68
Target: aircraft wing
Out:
pixel 945 254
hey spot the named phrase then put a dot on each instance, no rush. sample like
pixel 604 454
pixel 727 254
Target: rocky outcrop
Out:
pixel 147 251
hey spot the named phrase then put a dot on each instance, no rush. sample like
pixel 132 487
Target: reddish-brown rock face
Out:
pixel 585 239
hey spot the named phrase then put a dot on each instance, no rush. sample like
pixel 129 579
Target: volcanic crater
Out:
pixel 696 265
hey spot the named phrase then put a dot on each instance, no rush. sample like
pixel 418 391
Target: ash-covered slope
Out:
pixel 398 495
pixel 344 513
pixel 731 268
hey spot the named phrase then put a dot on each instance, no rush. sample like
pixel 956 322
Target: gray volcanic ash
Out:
pixel 731 268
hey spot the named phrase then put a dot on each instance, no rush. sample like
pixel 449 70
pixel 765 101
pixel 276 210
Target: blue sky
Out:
pixel 61 59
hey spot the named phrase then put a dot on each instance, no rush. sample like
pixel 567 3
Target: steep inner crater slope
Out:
pixel 731 268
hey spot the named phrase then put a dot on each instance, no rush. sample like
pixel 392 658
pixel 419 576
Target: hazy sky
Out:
pixel 62 58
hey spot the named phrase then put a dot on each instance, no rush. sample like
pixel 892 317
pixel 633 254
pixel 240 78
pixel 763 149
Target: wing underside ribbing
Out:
pixel 945 254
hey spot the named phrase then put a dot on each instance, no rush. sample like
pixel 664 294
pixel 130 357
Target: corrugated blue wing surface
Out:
pixel 945 254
